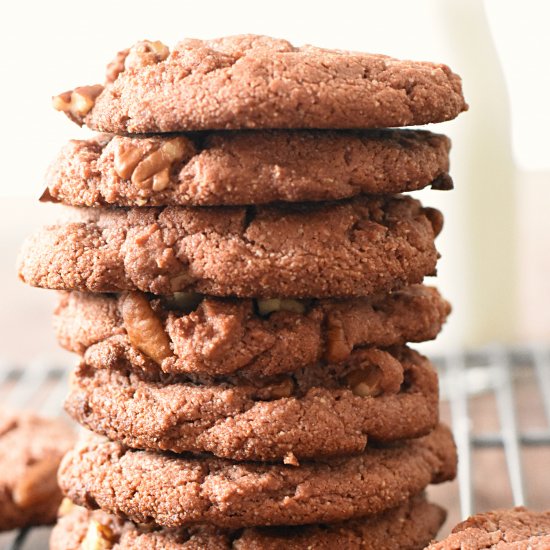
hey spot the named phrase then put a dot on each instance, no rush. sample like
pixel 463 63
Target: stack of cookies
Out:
pixel 241 276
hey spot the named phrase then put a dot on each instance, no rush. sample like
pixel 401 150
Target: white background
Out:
pixel 501 146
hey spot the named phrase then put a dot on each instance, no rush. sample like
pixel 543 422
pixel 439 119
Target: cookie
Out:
pixel 31 450
pixel 172 491
pixel 251 81
pixel 215 337
pixel 351 248
pixel 408 527
pixel 517 529
pixel 253 167
pixel 317 411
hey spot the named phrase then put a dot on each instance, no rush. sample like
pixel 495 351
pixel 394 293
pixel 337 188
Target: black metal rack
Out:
pixel 493 372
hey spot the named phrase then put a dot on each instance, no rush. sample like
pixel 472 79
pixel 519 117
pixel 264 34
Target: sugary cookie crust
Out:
pixel 409 527
pixel 224 336
pixel 173 491
pixel 514 529
pixel 250 81
pixel 352 248
pixel 235 168
pixel 318 411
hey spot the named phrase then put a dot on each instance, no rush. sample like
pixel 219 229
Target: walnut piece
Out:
pixel 98 537
pixel 38 484
pixel 150 169
pixel 267 306
pixel 365 382
pixel 183 301
pixel 66 507
pixel 77 103
pixel 145 330
pixel 380 372
pixel 337 347
pixel 145 53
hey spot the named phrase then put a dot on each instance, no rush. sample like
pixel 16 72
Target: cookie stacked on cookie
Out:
pixel 241 278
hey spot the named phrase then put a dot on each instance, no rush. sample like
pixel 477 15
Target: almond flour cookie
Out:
pixel 246 167
pixel 30 452
pixel 317 411
pixel 514 529
pixel 190 333
pixel 261 82
pixel 408 527
pixel 351 248
pixel 173 491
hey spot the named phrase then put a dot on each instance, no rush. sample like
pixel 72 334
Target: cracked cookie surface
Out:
pixel 251 167
pixel 31 449
pixel 356 247
pixel 173 491
pixel 408 527
pixel 330 410
pixel 216 336
pixel 251 81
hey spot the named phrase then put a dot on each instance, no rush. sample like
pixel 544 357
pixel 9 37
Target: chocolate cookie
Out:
pixel 316 411
pixel 190 333
pixel 172 491
pixel 30 452
pixel 260 82
pixel 408 527
pixel 246 167
pixel 517 529
pixel 351 248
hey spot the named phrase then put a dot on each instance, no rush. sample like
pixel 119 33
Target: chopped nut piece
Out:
pixel 38 484
pixel 380 373
pixel 184 301
pixel 150 169
pixel 290 459
pixel 77 103
pixel 337 347
pixel 267 306
pixel 365 382
pixel 66 507
pixel 98 537
pixel 181 281
pixel 146 53
pixel 144 328
pixel 283 389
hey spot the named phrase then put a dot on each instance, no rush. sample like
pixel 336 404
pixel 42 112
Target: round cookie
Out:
pixel 173 491
pixel 351 248
pixel 213 336
pixel 516 528
pixel 252 81
pixel 246 167
pixel 31 450
pixel 331 410
pixel 408 527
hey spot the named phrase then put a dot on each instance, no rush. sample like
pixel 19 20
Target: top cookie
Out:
pixel 518 529
pixel 253 81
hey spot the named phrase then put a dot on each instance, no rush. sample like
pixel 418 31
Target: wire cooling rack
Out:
pixel 497 400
